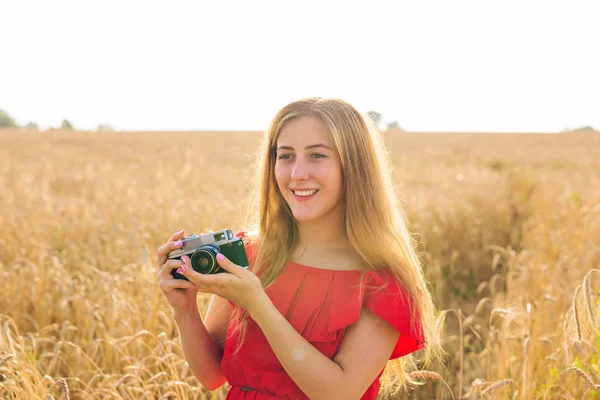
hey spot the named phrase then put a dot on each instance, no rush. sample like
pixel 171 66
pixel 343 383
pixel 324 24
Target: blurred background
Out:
pixel 124 122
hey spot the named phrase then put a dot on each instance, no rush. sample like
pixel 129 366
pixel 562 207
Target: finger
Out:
pixel 176 236
pixel 229 266
pixel 214 280
pixel 165 270
pixel 170 284
pixel 163 251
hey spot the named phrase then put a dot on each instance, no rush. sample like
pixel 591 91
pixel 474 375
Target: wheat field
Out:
pixel 508 225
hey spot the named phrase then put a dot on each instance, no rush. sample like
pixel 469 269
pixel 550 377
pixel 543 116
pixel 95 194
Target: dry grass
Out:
pixel 508 226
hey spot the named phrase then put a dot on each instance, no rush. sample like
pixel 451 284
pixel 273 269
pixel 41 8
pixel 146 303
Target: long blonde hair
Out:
pixel 375 222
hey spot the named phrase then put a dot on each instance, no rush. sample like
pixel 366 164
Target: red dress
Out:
pixel 320 304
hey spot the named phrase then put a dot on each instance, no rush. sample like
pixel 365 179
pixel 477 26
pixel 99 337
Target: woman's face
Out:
pixel 308 170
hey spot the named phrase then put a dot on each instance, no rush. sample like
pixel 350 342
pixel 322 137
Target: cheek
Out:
pixel 280 175
pixel 337 183
pixel 340 186
pixel 333 175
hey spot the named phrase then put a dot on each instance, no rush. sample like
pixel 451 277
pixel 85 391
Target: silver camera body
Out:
pixel 203 249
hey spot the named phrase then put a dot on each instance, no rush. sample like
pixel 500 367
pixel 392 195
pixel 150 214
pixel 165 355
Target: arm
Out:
pixel 357 364
pixel 202 342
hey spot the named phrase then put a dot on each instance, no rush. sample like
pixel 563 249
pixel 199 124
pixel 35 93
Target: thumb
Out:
pixel 228 266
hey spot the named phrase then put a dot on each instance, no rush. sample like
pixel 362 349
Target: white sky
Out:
pixel 432 66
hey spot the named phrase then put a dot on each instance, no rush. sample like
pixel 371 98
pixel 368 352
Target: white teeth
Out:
pixel 304 193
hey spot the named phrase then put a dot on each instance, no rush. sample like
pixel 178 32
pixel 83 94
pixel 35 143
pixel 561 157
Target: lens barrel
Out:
pixel 204 260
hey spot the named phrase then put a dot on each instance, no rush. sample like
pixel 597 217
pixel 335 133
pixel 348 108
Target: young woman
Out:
pixel 334 290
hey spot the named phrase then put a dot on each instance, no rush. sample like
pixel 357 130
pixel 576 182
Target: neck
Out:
pixel 327 232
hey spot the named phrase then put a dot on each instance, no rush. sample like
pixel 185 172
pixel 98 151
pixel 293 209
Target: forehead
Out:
pixel 304 131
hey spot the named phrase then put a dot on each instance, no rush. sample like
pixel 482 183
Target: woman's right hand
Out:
pixel 180 293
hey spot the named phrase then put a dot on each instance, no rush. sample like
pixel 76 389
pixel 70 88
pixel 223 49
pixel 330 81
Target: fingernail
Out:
pixel 180 232
pixel 178 243
pixel 179 271
pixel 220 257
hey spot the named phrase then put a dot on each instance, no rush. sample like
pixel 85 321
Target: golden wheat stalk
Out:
pixel 5 359
pixel 430 375
pixel 585 375
pixel 481 304
pixel 476 387
pixel 564 391
pixel 576 312
pixel 497 385
pixel 8 336
pixel 123 379
pixel 503 312
pixel 589 301
pixel 169 396
pixel 526 345
pixel 64 387
pixel 459 316
pixel 157 376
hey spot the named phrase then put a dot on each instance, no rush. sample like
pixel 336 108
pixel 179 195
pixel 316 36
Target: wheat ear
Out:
pixel 62 382
pixel 497 385
pixel 5 359
pixel 585 375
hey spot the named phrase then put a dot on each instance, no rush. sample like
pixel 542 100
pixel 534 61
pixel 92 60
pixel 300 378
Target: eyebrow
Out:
pixel 312 146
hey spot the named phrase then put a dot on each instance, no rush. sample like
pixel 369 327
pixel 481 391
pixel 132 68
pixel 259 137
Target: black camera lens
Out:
pixel 204 260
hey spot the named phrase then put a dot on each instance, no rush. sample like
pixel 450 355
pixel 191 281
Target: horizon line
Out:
pixel 392 130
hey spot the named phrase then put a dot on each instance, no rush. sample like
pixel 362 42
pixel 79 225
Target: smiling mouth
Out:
pixel 305 193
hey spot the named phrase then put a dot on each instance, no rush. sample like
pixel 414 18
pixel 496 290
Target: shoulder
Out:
pixel 383 283
pixel 381 332
pixel 365 350
pixel 387 298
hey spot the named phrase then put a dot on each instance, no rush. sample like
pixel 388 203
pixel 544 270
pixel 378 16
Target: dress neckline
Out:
pixel 324 269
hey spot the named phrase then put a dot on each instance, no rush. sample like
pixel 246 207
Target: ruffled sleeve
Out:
pixel 385 297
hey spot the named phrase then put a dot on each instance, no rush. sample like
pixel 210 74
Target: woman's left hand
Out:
pixel 239 285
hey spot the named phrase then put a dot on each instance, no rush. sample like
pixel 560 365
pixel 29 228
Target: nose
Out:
pixel 300 170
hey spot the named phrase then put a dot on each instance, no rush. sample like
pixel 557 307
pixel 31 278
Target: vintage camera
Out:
pixel 203 249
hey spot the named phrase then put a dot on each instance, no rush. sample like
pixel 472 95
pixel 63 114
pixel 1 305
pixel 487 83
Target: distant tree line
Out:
pixel 378 120
pixel 587 129
pixel 6 121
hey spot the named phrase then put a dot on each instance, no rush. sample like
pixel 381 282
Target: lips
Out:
pixel 304 194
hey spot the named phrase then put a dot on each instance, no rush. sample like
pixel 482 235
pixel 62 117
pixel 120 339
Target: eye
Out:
pixel 318 155
pixel 284 156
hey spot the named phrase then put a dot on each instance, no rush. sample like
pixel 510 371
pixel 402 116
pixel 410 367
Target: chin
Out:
pixel 302 214
pixel 309 215
pixel 305 217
